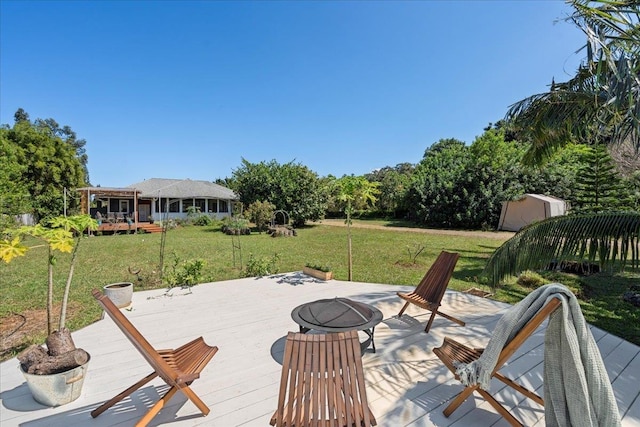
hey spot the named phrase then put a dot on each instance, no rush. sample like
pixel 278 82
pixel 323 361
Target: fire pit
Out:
pixel 338 315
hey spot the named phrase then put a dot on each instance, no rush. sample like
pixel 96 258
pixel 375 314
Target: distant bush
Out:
pixel 260 213
pixel 236 225
pixel 203 220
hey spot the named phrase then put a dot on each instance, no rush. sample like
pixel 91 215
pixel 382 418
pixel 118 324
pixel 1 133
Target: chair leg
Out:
pixel 501 409
pixel 196 400
pixel 109 403
pixel 464 394
pixel 433 315
pixel 453 319
pixel 156 408
pixel 403 309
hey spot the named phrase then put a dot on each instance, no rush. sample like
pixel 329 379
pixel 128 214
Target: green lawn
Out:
pixel 379 256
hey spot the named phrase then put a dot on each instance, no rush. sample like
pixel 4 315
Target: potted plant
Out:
pixel 54 375
pixel 319 271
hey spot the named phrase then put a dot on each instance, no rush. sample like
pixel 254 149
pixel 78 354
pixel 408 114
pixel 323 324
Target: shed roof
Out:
pixel 182 188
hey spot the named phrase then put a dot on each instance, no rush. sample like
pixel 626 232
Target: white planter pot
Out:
pixel 56 389
pixel 120 293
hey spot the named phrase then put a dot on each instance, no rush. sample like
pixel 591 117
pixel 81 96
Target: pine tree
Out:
pixel 599 187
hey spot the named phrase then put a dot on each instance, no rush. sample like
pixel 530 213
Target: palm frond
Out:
pixel 612 239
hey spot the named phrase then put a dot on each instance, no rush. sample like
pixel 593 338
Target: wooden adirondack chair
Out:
pixel 452 353
pixel 178 368
pixel 429 292
pixel 322 382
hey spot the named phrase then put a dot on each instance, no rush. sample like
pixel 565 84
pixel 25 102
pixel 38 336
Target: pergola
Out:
pixel 87 192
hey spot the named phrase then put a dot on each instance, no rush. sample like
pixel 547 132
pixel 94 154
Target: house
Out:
pixel 530 208
pixel 158 198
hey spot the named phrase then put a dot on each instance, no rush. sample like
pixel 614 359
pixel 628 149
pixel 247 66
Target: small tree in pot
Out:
pixel 62 234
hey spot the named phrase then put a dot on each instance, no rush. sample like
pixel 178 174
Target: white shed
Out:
pixel 530 208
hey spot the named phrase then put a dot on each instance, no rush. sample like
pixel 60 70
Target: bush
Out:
pixel 236 225
pixel 257 267
pixel 183 273
pixel 260 213
pixel 530 279
pixel 203 220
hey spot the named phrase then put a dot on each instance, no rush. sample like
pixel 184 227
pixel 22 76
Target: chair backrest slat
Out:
pixel 434 283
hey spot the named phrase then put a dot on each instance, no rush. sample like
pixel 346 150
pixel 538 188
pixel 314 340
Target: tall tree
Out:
pixel 291 187
pixel 50 163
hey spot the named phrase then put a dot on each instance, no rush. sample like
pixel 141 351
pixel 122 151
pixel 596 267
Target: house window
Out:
pixel 124 206
pixel 213 205
pixel 224 206
pixel 200 205
pixel 186 204
pixel 174 205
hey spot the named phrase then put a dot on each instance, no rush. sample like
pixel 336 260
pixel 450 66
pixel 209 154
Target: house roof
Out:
pixel 182 188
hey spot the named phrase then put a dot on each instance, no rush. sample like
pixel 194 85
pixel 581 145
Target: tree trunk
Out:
pixel 32 355
pixel 53 365
pixel 60 342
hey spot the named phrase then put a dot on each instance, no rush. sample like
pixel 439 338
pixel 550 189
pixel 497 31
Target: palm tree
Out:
pixel 599 105
pixel 601 100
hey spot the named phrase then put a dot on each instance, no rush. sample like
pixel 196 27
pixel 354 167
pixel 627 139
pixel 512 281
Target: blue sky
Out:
pixel 187 89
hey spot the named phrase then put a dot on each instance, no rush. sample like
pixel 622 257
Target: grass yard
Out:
pixel 379 256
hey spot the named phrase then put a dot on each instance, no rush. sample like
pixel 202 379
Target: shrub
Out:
pixel 530 279
pixel 236 225
pixel 257 267
pixel 203 220
pixel 260 213
pixel 183 273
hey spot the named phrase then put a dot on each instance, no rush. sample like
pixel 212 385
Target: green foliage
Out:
pixel 393 183
pixel 203 220
pixel 260 213
pixel 58 236
pixel 185 273
pixel 317 266
pixel 51 159
pixel 291 187
pixel 602 99
pixel 598 185
pixel 610 238
pixel 235 225
pixel 530 279
pixel 261 266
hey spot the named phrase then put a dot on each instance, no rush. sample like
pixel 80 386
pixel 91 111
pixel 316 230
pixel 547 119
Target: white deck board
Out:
pixel 248 320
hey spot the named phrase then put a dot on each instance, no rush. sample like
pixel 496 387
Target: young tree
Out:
pixel 354 192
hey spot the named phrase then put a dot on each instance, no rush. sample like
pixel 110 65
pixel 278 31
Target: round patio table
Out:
pixel 338 315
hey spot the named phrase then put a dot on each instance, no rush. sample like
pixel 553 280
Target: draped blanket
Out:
pixel 577 391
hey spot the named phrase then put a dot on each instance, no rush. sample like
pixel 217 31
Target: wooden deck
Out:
pixel 126 228
pixel 249 318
